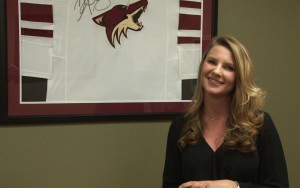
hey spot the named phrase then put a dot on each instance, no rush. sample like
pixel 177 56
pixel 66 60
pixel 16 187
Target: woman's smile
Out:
pixel 214 82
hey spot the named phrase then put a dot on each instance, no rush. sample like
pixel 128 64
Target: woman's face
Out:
pixel 218 72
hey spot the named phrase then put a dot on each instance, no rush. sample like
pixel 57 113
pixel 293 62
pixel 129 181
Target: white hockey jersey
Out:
pixel 146 65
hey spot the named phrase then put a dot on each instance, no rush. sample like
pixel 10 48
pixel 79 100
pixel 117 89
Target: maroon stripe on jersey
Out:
pixel 36 12
pixel 189 40
pixel 190 4
pixel 189 22
pixel 37 32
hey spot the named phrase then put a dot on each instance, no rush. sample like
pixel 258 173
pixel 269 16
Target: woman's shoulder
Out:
pixel 178 122
pixel 180 119
pixel 268 127
pixel 268 121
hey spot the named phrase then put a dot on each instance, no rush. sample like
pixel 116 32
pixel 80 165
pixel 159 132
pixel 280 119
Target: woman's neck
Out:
pixel 216 108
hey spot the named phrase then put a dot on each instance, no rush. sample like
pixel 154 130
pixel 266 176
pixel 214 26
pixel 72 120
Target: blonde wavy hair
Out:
pixel 245 118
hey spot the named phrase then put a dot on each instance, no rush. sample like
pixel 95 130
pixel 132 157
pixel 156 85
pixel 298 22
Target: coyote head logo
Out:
pixel 121 18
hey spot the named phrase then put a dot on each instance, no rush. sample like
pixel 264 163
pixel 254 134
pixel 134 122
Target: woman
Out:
pixel 225 140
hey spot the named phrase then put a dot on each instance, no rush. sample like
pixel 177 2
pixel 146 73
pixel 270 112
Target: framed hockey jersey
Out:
pixel 103 58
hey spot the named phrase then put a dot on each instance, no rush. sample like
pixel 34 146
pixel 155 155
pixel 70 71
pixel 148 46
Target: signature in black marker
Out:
pixel 91 6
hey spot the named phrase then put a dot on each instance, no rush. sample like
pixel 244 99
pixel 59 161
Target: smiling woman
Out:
pixel 225 139
pixel 217 75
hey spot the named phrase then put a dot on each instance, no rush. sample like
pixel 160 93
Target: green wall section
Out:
pixel 94 155
pixel 270 29
pixel 131 154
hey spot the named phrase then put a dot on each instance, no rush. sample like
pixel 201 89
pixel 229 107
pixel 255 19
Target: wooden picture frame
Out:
pixel 17 90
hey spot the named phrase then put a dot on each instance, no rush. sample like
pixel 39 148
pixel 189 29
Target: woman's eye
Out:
pixel 210 61
pixel 230 68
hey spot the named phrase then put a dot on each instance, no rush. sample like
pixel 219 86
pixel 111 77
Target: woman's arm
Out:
pixel 172 170
pixel 272 169
pixel 210 184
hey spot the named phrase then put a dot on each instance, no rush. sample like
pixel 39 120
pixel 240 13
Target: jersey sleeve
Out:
pixel 36 26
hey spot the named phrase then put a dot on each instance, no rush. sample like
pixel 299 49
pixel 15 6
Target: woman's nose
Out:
pixel 217 69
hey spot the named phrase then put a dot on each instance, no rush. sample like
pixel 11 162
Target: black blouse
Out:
pixel 265 168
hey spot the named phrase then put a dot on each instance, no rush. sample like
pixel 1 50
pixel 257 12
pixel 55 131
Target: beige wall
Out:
pixel 131 154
